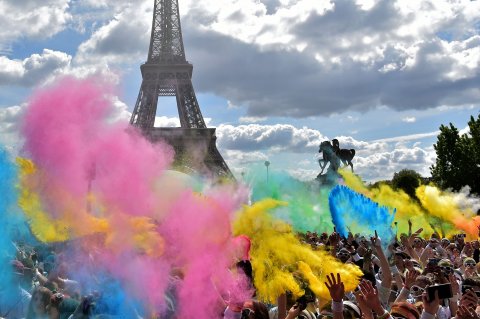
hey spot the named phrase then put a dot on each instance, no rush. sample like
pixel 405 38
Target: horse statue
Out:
pixel 333 154
pixel 328 156
pixel 345 155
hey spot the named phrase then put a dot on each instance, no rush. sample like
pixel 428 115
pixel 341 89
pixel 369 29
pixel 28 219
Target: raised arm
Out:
pixel 337 292
pixel 384 266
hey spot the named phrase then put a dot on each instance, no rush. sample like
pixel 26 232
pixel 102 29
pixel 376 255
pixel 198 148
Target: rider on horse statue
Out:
pixel 333 154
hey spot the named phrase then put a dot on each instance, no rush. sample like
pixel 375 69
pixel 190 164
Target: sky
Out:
pixel 275 77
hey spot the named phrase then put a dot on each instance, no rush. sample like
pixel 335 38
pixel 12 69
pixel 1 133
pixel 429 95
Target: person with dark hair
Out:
pixel 404 310
pixel 246 268
pixel 254 310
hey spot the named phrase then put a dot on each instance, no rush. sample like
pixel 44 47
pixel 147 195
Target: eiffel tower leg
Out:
pixel 190 114
pixel 217 163
pixel 146 107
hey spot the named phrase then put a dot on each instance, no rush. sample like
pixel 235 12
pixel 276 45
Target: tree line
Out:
pixel 457 163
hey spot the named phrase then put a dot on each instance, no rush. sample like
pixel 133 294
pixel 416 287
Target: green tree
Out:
pixel 407 180
pixel 458 157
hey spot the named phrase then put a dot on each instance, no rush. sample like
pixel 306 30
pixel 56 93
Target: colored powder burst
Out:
pixel 277 252
pixel 137 230
pixel 447 206
pixel 307 201
pixel 105 190
pixel 405 207
pixel 43 226
pixel 12 228
pixel 68 136
pixel 95 179
pixel 438 211
pixel 351 210
pixel 200 242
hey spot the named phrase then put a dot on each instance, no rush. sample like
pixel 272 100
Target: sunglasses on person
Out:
pixel 246 313
pixel 447 270
pixel 416 290
pixel 470 264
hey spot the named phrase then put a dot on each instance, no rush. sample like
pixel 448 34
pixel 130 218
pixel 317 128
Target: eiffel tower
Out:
pixel 168 73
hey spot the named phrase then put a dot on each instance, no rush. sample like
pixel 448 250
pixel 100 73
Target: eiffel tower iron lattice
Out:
pixel 168 73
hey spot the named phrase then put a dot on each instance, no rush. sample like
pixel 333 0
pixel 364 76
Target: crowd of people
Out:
pixel 414 277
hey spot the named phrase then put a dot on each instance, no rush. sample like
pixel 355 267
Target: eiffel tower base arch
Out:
pixel 195 150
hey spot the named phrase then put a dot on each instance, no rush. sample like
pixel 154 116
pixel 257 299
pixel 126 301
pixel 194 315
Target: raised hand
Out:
pixel 417 233
pixel 466 313
pixel 455 286
pixel 293 312
pixel 431 306
pixel 410 278
pixel 371 297
pixel 469 299
pixel 364 308
pixel 350 238
pixel 334 239
pixel 408 264
pixel 404 241
pixel 335 287
pixel 376 242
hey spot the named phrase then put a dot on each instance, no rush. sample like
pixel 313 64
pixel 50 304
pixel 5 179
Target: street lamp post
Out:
pixel 267 164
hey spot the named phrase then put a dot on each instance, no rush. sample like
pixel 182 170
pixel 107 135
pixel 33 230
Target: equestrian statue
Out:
pixel 332 154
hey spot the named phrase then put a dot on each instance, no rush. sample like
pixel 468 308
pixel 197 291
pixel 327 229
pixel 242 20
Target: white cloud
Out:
pixel 293 67
pixel 164 121
pixel 410 137
pixel 120 111
pixel 251 119
pixel 123 39
pixel 35 69
pixel 9 127
pixel 278 137
pixel 32 19
pixel 380 166
pixel 276 58
pixel 409 119
pixel 230 105
pixel 349 119
pixel 465 130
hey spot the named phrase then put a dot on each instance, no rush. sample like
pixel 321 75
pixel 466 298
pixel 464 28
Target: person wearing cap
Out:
pixel 344 255
pixel 469 266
